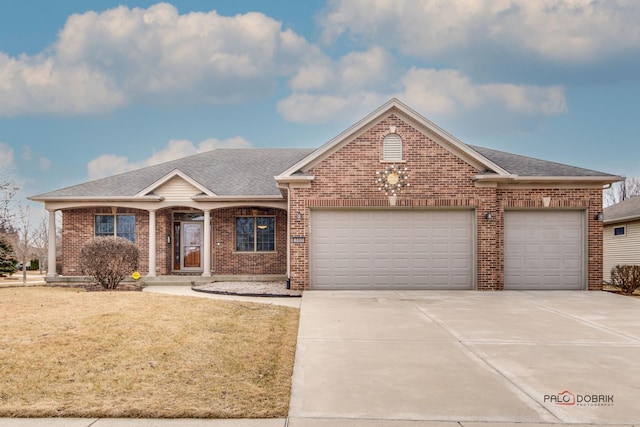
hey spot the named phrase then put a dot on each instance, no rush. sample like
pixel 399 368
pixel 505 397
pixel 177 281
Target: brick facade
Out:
pixel 437 179
pixel 225 258
pixel 78 229
pixel 344 177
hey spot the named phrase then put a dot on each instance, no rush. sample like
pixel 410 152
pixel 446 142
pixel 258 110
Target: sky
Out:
pixel 94 88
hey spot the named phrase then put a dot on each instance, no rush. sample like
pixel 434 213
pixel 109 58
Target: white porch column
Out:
pixel 206 265
pixel 51 255
pixel 152 244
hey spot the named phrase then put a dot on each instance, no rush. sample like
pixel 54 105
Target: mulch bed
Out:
pixel 249 289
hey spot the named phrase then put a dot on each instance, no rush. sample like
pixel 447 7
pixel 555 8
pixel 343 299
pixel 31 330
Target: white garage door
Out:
pixel 544 250
pixel 391 249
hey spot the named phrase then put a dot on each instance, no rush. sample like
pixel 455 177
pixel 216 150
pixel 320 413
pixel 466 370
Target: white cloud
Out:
pixel 111 164
pixel 320 108
pixel 436 93
pixel 6 156
pixel 39 85
pixel 31 158
pixel 102 61
pixel 449 92
pixel 563 31
pixel 360 69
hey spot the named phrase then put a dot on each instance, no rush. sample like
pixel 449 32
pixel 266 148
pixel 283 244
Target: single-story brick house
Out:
pixel 621 235
pixel 393 202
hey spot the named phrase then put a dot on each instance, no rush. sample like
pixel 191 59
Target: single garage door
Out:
pixel 391 249
pixel 544 250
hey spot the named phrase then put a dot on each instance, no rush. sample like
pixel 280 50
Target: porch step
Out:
pixel 199 280
pixel 176 280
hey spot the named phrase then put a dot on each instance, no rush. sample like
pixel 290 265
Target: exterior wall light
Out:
pixel 599 216
pixel 299 216
pixel 488 216
pixel 168 239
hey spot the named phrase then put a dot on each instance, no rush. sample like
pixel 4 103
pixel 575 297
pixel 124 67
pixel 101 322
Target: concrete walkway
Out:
pixel 33 279
pixel 188 292
pixel 466 358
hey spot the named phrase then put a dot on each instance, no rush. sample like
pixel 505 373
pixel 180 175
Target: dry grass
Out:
pixel 72 353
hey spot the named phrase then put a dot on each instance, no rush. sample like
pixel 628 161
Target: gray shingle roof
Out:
pixel 628 209
pixel 250 172
pixel 226 172
pixel 529 166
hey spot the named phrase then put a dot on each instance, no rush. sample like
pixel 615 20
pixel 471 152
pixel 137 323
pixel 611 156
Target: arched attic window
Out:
pixel 392 148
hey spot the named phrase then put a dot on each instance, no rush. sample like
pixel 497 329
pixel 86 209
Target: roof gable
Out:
pixel 496 166
pixel 394 106
pixel 174 183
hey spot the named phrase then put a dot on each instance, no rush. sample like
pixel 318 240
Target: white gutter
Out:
pixel 623 219
pixel 98 199
pixel 286 186
pixel 207 198
pixel 518 178
pixel 293 178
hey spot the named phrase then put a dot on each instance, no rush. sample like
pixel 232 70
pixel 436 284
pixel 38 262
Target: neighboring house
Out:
pixel 621 240
pixel 469 218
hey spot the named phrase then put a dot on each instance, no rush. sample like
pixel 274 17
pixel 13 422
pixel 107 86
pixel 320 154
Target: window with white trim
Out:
pixel 255 234
pixel 392 148
pixel 115 226
pixel 619 231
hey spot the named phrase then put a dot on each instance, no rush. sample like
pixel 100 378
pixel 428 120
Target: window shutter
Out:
pixel 392 147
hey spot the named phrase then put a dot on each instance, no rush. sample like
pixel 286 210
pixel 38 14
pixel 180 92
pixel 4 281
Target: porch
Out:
pixel 183 245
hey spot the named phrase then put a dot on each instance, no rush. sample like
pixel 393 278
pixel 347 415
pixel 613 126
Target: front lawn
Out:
pixel 71 353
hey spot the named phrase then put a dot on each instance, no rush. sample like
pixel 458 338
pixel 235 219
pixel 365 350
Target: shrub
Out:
pixel 108 260
pixel 626 278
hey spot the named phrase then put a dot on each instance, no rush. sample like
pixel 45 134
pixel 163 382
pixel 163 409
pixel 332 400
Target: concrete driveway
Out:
pixel 466 357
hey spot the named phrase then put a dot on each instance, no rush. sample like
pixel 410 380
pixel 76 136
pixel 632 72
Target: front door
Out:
pixel 191 245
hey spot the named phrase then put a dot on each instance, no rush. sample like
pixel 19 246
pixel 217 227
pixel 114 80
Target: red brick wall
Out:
pixel 78 229
pixel 227 261
pixel 437 178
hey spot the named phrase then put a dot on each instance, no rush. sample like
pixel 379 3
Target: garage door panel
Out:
pixel 459 248
pixel 544 249
pixel 392 249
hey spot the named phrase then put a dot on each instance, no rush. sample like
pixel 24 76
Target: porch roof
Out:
pixel 224 172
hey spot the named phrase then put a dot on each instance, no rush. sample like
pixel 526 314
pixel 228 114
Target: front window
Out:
pixel 116 226
pixel 255 234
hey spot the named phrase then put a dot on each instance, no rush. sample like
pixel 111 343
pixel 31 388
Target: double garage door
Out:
pixel 402 249
pixel 389 249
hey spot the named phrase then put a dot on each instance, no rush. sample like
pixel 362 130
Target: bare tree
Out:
pixel 621 191
pixel 22 245
pixel 8 191
pixel 40 242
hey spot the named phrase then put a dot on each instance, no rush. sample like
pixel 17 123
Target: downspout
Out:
pixel 287 187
